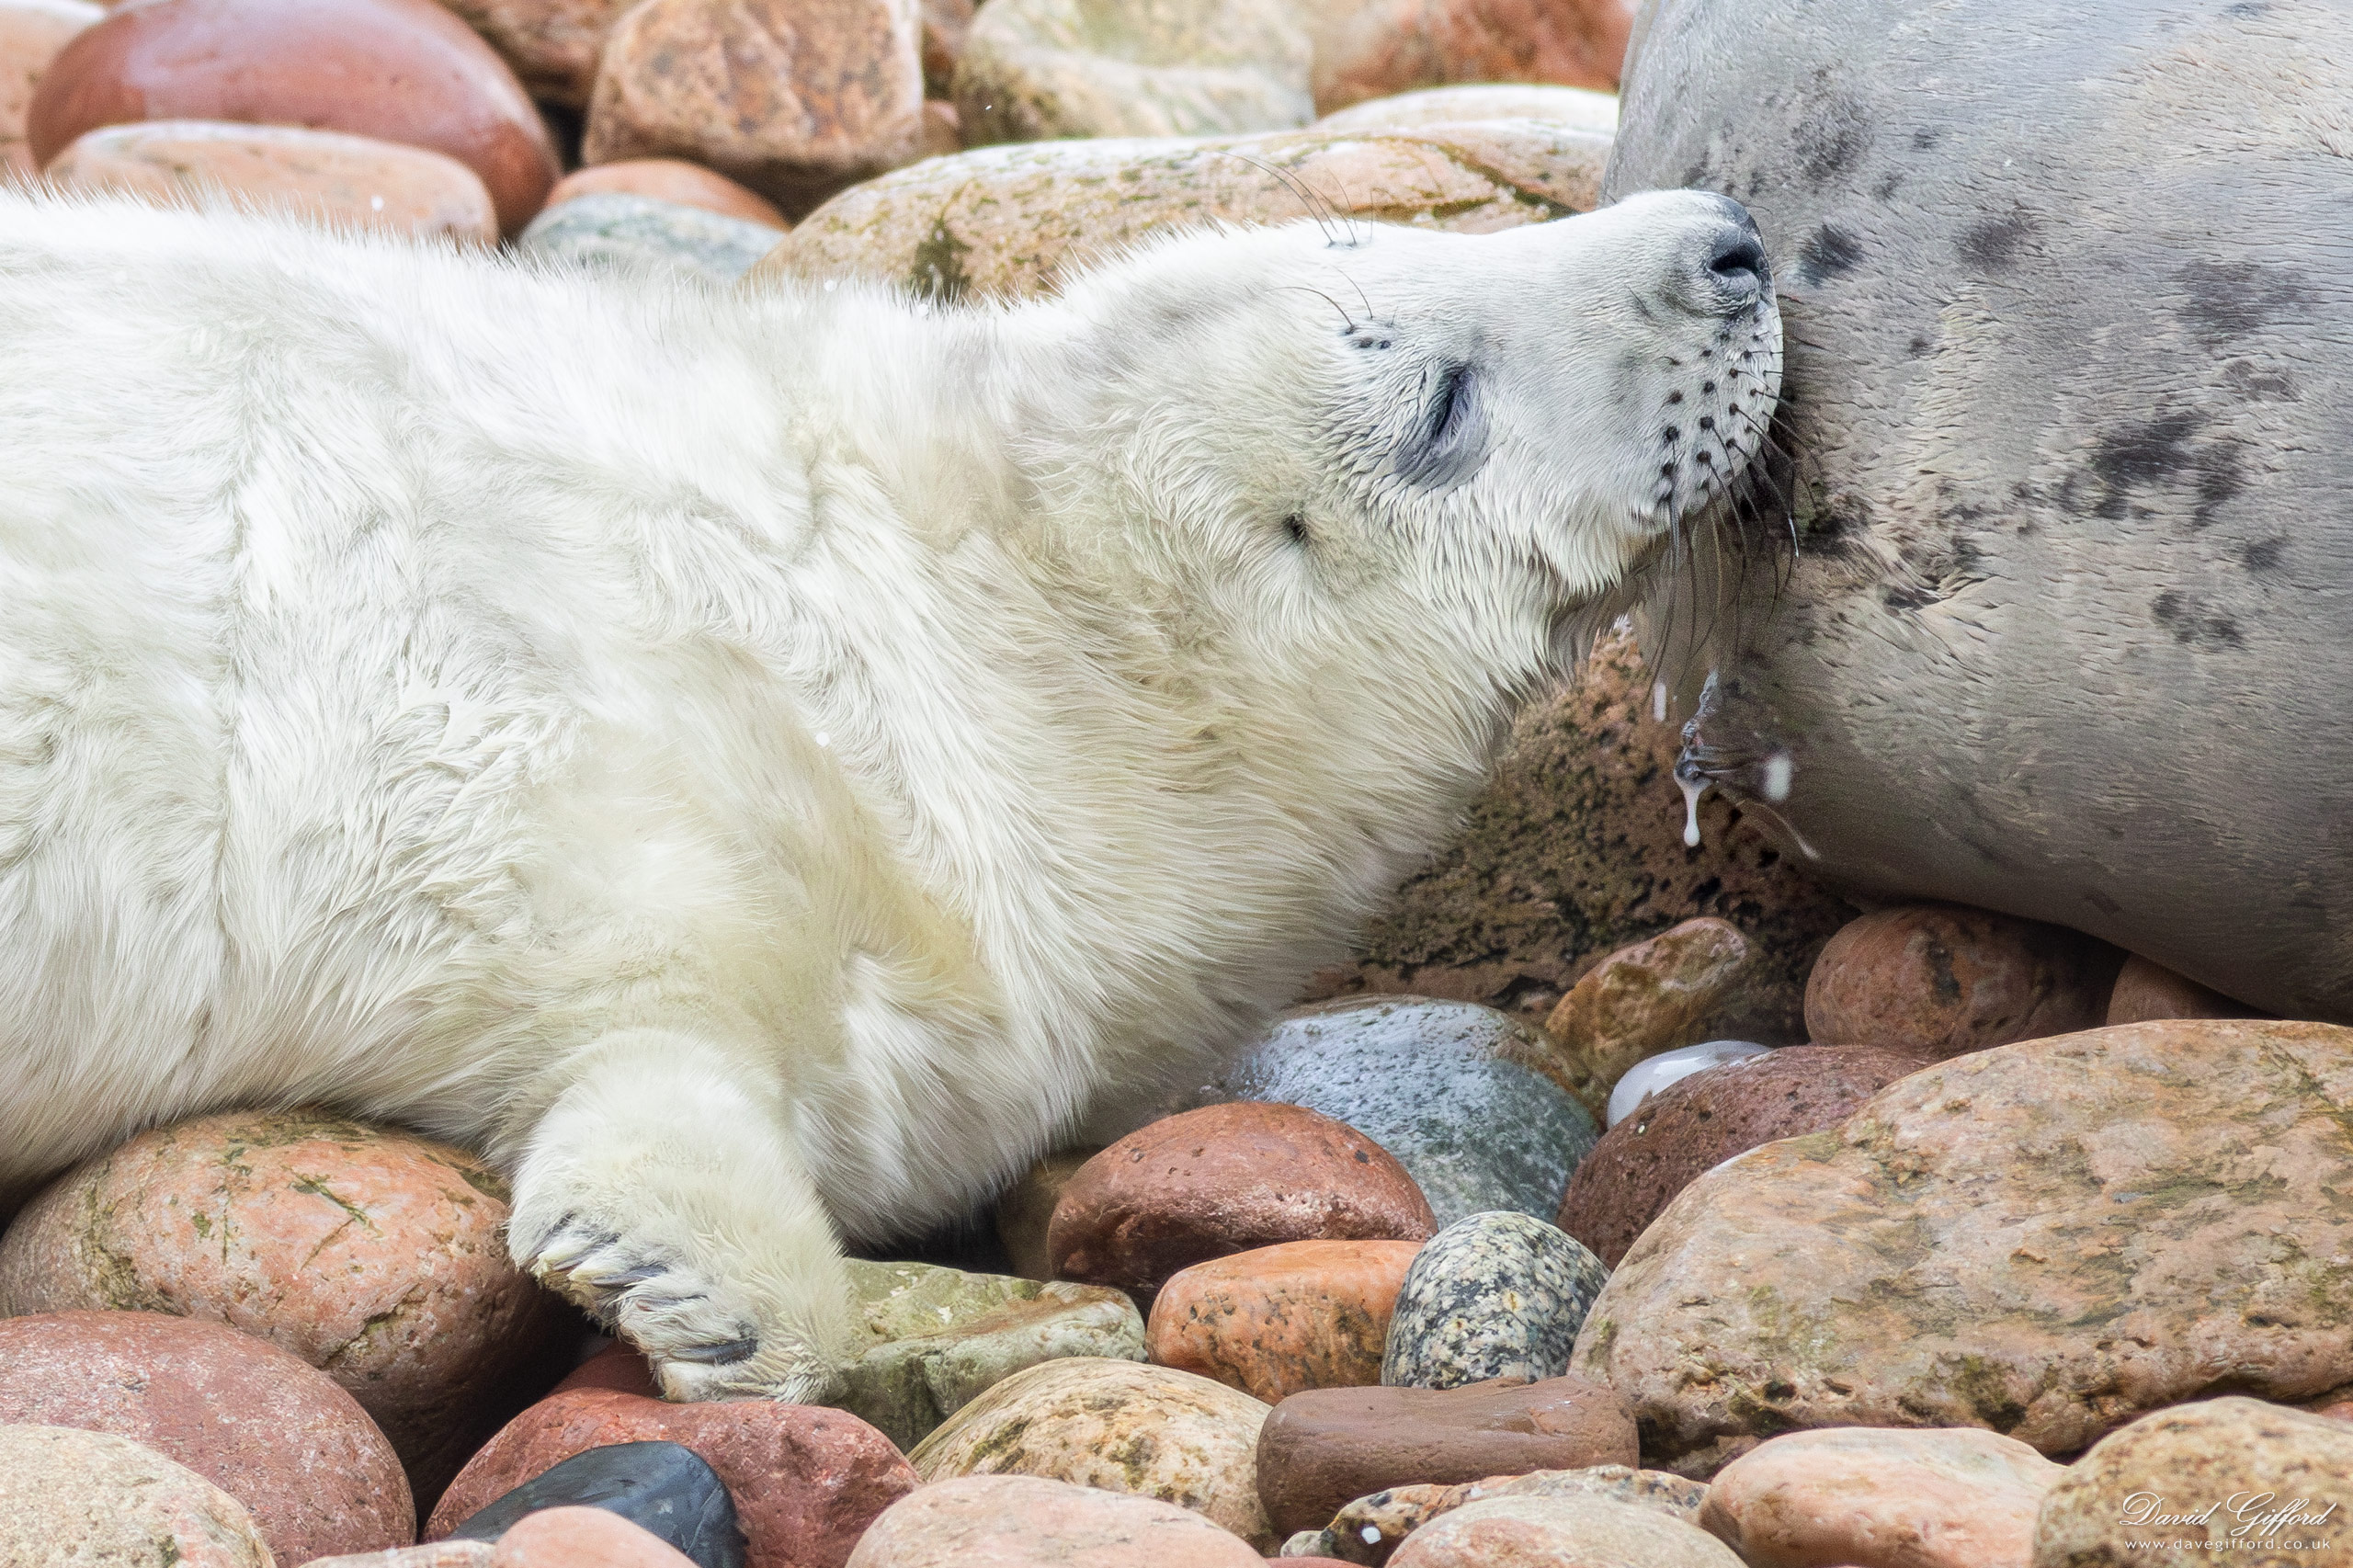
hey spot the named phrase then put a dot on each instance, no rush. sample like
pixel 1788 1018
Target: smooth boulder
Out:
pixel 1694 1125
pixel 2046 1239
pixel 276 1433
pixel 31 33
pixel 1275 1321
pixel 68 1497
pixel 1370 49
pixel 1151 1431
pixel 404 71
pixel 1025 1521
pixel 1940 979
pixel 1320 1450
pixel 1539 1531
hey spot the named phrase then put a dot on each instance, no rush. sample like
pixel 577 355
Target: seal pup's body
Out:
pixel 762 765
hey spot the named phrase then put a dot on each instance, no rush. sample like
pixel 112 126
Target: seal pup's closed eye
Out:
pixel 763 768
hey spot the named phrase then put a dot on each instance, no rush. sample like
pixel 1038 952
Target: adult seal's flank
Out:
pixel 763 768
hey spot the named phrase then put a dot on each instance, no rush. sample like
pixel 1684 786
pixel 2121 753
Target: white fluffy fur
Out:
pixel 767 766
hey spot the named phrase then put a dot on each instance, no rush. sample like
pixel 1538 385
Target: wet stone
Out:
pixel 1454 1090
pixel 1495 1295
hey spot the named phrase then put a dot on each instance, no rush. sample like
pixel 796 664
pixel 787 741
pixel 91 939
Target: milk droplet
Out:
pixel 832 284
pixel 1692 789
pixel 822 738
pixel 375 204
pixel 1658 701
pixel 1778 770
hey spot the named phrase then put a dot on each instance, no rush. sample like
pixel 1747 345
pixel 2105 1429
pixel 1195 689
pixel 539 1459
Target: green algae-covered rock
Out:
pixel 2047 1239
pixel 940 1337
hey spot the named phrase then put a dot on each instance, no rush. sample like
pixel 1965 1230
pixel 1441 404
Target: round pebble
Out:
pixel 1944 980
pixel 277 1435
pixel 1224 1179
pixel 1648 1077
pixel 68 1497
pixel 1275 1321
pixel 1027 1521
pixel 669 179
pixel 1497 1295
pixel 1449 1088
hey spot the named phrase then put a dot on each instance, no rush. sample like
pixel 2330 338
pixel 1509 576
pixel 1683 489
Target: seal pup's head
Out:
pixel 1502 424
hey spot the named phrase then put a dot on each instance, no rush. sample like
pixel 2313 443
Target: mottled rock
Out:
pixel 435 1555
pixel 806 1481
pixel 1578 106
pixel 796 99
pixel 1120 1426
pixel 1027 1209
pixel 551 45
pixel 2145 991
pixel 2045 1239
pixel 32 33
pixel 1276 1320
pixel 404 71
pixel 1958 1497
pixel 272 1432
pixel 1456 1091
pixel 374 1254
pixel 1024 1521
pixel 1495 1295
pixel 1036 70
pixel 1372 49
pixel 1540 1532
pixel 662 1487
pixel 2228 1480
pixel 1653 996
pixel 670 179
pixel 943 130
pixel 72 1497
pixel 1224 1179
pixel 1320 1450
pixel 585 1537
pixel 1942 979
pixel 1016 221
pixel 1698 1123
pixel 1575 849
pixel 937 1337
pixel 1369 1529
pixel 615 231
pixel 354 181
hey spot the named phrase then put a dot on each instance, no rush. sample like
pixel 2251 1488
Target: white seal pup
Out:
pixel 762 767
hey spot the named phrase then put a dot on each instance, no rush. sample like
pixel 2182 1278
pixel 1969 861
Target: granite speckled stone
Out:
pixel 937 1337
pixel 613 230
pixel 1373 1527
pixel 1454 1090
pixel 1495 1295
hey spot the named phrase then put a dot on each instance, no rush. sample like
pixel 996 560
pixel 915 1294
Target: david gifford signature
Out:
pixel 2254 1512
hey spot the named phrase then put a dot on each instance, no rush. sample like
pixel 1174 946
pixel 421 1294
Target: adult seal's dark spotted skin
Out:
pixel 2068 287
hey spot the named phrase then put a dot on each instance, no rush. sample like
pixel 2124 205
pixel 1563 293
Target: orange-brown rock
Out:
pixel 1274 1321
pixel 943 129
pixel 1224 1179
pixel 1370 49
pixel 374 1254
pixel 582 1537
pixel 1025 1521
pixel 945 23
pixel 323 174
pixel 32 33
pixel 1691 1127
pixel 1943 979
pixel 1650 997
pixel 273 1433
pixel 2045 1239
pixel 670 179
pixel 404 71
pixel 806 1481
pixel 1955 1497
pixel 1027 1207
pixel 1320 1450
pixel 551 45
pixel 2145 991
pixel 794 98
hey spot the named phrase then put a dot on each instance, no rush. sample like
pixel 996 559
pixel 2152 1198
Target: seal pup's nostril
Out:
pixel 1736 262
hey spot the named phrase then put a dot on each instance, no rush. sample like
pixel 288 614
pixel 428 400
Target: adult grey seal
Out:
pixel 2069 307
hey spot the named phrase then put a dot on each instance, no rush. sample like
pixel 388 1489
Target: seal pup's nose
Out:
pixel 1731 259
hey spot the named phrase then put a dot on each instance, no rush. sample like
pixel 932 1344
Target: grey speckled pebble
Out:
pixel 1495 1295
pixel 621 232
pixel 1441 1085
